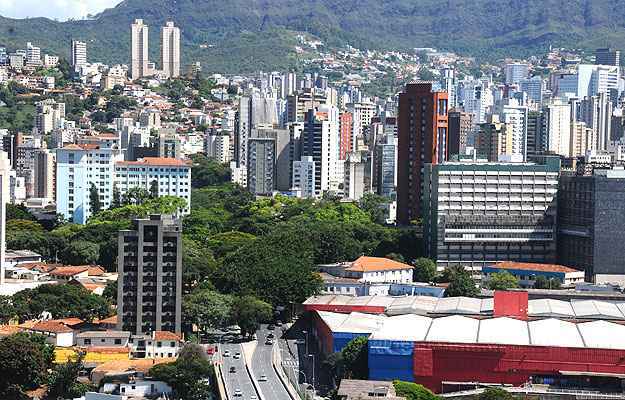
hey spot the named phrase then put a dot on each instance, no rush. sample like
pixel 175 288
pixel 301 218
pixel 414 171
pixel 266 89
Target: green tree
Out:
pixel 63 381
pixel 15 211
pixel 136 196
pixel 110 292
pixel 116 201
pixel 208 172
pixel 413 391
pixel 198 263
pixel 154 189
pixel 542 282
pixel 502 281
pixel 94 199
pixel 80 252
pixel 23 363
pixel 187 375
pixel 7 310
pixel 249 313
pixel 207 309
pixel 493 393
pixel 425 270
pixel 373 205
pixel 355 358
pixel 460 283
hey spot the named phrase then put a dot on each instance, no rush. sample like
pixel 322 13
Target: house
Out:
pixel 59 332
pixel 103 339
pixel 355 389
pixel 371 270
pixel 158 344
pixel 16 257
pixel 93 285
pixel 527 273
pixel 39 266
pixel 118 368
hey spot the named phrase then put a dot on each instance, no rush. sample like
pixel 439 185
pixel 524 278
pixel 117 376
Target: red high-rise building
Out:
pixel 346 126
pixel 422 131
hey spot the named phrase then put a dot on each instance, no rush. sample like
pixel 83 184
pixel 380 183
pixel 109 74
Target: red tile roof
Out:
pixel 165 335
pixel 39 266
pixel 367 264
pixel 159 161
pixel 51 326
pixel 109 320
pixel 69 270
pixel 96 271
pixel 533 267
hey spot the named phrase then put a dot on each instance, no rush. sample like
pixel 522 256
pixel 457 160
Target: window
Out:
pixel 158 344
pixel 172 344
pixel 87 341
pixel 118 341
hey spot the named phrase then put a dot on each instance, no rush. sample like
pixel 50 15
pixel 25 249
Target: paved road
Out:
pixel 272 389
pixel 239 379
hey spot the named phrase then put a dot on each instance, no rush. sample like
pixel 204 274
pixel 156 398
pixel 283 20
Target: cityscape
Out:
pixel 350 222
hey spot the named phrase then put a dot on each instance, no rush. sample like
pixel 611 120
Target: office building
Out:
pixel 170 50
pixel 582 139
pixel 304 177
pixel 477 213
pixel 44 179
pixel 516 72
pixel 5 170
pixel 590 223
pixel 493 139
pixel 149 295
pixel 139 50
pixel 217 147
pixel 607 56
pixel 460 127
pixel 386 168
pixel 261 166
pixel 596 112
pixel 422 131
pixel 557 125
pixel 283 160
pixel 168 143
pixel 357 175
pixel 299 103
pixel 79 54
pixel 595 79
pixel 150 118
pixel 535 141
pixel 363 113
pixel 533 87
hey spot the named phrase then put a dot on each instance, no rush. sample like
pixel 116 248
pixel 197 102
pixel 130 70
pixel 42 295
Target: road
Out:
pixel 272 389
pixel 236 380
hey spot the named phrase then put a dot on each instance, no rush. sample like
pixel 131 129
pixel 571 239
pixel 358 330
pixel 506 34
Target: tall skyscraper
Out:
pixel 557 120
pixel 516 72
pixel 79 54
pixel 608 57
pixel 423 124
pixel 44 174
pixel 5 169
pixel 139 50
pixel 149 294
pixel 460 126
pixel 170 50
pixel 261 171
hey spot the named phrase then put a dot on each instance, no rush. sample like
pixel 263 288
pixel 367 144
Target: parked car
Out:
pixel 271 327
pixel 233 369
pixel 227 353
pixel 269 341
pixel 237 355
pixel 238 393
pixel 262 378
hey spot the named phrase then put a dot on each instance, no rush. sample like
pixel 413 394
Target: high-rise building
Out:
pixel 422 131
pixel 596 112
pixel 170 50
pixel 363 113
pixel 79 54
pixel 357 176
pixel 304 176
pixel 44 170
pixel 608 56
pixel 595 79
pixel 535 142
pixel 515 118
pixel 516 72
pixel 149 294
pixel 299 103
pixel 217 147
pixel 533 87
pixel 386 168
pixel 460 127
pixel 33 54
pixel 346 126
pixel 139 50
pixel 5 171
pixel 479 213
pixel 493 139
pixel 50 116
pixel 261 166
pixel 557 120
pixel 283 160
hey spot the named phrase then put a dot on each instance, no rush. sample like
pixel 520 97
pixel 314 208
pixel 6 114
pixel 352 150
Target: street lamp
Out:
pixel 313 371
pixel 305 333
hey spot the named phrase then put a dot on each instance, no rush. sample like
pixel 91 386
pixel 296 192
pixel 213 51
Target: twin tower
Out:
pixel 170 51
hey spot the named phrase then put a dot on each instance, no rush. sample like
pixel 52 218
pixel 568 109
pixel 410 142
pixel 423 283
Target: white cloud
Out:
pixel 59 9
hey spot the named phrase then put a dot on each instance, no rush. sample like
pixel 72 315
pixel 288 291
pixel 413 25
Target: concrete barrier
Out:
pixel 276 361
pixel 249 372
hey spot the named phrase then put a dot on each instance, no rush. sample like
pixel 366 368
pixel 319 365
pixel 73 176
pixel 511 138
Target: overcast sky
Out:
pixel 60 9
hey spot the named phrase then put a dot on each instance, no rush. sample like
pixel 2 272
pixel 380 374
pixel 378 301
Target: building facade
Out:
pixel 149 296
pixel 170 50
pixel 139 50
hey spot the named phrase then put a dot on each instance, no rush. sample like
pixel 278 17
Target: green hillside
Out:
pixel 246 35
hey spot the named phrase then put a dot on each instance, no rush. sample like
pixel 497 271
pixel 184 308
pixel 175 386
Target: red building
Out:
pixel 422 134
pixel 346 125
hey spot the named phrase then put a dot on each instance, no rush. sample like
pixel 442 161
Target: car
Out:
pixel 262 378
pixel 269 341
pixel 271 327
pixel 253 397
pixel 227 353
pixel 238 393
pixel 270 336
pixel 237 355
pixel 254 337
pixel 278 323
pixel 300 341
pixel 233 369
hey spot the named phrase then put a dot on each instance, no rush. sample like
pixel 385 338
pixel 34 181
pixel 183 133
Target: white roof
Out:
pixel 550 308
pixel 453 329
pixel 603 334
pixel 596 309
pixel 421 305
pixel 554 332
pixel 458 305
pixel 503 331
pixel 332 320
pixel 361 323
pixel 404 327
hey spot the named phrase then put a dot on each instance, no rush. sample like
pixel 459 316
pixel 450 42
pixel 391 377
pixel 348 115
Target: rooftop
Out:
pixel 159 161
pixel 99 334
pixel 165 335
pixel 367 264
pixel 533 267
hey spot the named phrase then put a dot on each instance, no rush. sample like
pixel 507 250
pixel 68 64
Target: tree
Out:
pixel 15 211
pixel 23 363
pixel 502 281
pixel 207 309
pixel 136 196
pixel 198 263
pixel 373 205
pixel 7 310
pixel 542 282
pixel 494 393
pixel 116 201
pixel 63 384
pixel 80 252
pixel 154 189
pixel 460 283
pixel 187 376
pixel 425 270
pixel 249 313
pixel 110 292
pixel 94 199
pixel 355 358
pixel 208 172
pixel 413 391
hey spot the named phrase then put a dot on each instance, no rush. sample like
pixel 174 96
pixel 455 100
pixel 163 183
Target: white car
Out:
pixel 237 355
pixel 262 378
pixel 238 393
pixel 253 397
pixel 226 353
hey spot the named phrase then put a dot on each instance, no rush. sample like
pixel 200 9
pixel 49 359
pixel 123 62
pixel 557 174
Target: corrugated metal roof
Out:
pixel 554 332
pixel 458 305
pixel 404 327
pixel 503 331
pixel 332 320
pixel 596 309
pixel 361 323
pixel 550 308
pixel 453 329
pixel 603 334
pixel 420 305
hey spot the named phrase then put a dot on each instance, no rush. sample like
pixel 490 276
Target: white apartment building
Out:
pixel 50 116
pixel 557 117
pixel 79 54
pixel 33 54
pixel 515 118
pixel 362 114
pixel 304 177
pixel 170 50
pixel 139 50
pixel 217 147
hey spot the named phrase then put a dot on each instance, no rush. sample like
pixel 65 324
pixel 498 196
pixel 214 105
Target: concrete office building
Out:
pixel 139 50
pixel 170 50
pixel 386 168
pixel 515 118
pixel 533 87
pixel 149 295
pixel 535 141
pixel 493 139
pixel 261 166
pixel 79 54
pixel 460 127
pixel 590 224
pixel 5 171
pixel 516 72
pixel 422 130
pixel 478 213
pixel 608 56
pixel 596 112
pixel 357 178
pixel 283 161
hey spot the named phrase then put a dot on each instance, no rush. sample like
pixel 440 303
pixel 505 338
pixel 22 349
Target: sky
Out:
pixel 54 9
